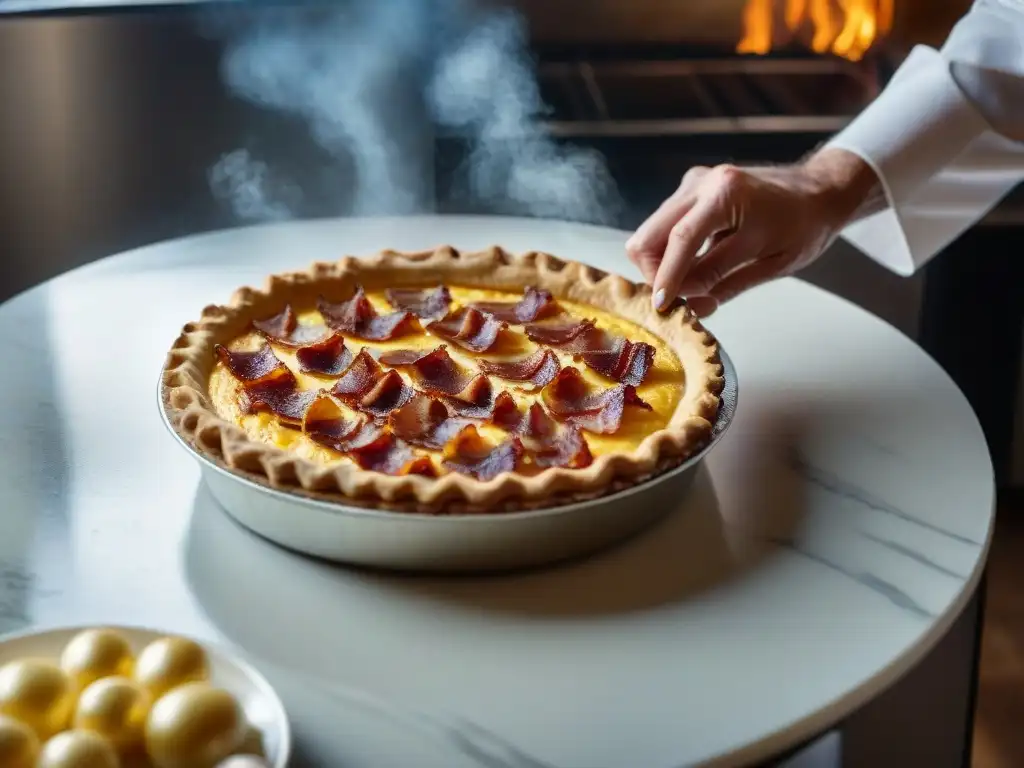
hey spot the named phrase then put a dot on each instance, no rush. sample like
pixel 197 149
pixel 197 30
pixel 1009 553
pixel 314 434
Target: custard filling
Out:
pixel 662 387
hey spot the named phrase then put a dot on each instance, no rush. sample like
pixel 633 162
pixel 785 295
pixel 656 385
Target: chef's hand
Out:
pixel 759 224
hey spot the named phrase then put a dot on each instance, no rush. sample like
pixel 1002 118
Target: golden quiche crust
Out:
pixel 188 407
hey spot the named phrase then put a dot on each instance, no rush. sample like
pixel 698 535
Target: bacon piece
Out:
pixel 538 369
pixel 357 317
pixel 550 444
pixel 535 424
pixel 280 395
pixel 569 398
pixel 469 454
pixel 368 388
pixel 425 421
pixel 428 304
pixel 326 423
pixel 329 357
pixel 360 376
pixel 567 448
pixel 616 357
pixel 392 456
pixel 365 442
pixel 260 365
pixel 389 393
pixel 557 333
pixel 535 304
pixel 284 328
pixel 469 328
pixel 486 408
pixel 437 373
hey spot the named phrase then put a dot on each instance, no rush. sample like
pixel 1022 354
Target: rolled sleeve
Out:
pixel 941 163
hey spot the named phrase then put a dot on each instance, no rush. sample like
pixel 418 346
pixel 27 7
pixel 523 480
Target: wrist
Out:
pixel 844 184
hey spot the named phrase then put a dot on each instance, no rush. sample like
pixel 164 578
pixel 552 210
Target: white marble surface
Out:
pixel 837 532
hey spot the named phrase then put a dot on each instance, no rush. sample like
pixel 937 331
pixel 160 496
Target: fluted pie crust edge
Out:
pixel 187 404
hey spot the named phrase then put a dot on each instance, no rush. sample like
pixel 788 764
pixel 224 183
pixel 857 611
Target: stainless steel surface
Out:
pixel 454 544
pixel 635 97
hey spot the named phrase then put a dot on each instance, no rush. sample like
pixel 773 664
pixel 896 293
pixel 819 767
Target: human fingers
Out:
pixel 646 246
pixel 750 276
pixel 702 306
pixel 709 215
pixel 724 257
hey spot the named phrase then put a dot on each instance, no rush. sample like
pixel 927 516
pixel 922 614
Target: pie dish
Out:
pixel 445 382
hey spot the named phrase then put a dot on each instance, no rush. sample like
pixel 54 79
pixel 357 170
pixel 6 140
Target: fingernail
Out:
pixel 659 299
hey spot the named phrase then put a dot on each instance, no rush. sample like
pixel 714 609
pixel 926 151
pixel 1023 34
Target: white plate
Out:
pixel 263 708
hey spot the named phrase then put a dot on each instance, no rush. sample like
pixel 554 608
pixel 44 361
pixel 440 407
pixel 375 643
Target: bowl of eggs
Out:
pixel 125 697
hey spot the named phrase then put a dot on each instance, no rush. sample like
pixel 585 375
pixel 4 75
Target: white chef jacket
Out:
pixel 946 137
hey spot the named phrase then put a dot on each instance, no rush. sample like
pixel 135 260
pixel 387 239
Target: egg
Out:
pixel 78 749
pixel 94 654
pixel 38 693
pixel 169 662
pixel 19 745
pixel 244 761
pixel 116 708
pixel 194 726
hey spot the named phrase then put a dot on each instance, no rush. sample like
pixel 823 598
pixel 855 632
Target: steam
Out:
pixel 377 81
pixel 248 184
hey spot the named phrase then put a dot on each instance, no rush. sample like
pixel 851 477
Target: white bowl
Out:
pixel 263 709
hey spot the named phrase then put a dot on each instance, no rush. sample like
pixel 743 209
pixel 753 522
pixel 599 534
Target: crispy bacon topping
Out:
pixel 535 304
pixel 389 393
pixel 437 373
pixel 393 457
pixel 428 304
pixel 260 365
pixel 537 370
pixel 285 329
pixel 329 357
pixel 360 376
pixel 567 448
pixel 483 408
pixel 617 358
pixel 469 328
pixel 326 423
pixel 468 453
pixel 425 421
pixel 569 398
pixel 613 356
pixel 550 444
pixel 535 424
pixel 560 331
pixel 280 395
pixel 357 317
pixel 368 388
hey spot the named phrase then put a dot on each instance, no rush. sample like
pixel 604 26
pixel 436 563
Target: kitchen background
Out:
pixel 126 124
pixel 121 125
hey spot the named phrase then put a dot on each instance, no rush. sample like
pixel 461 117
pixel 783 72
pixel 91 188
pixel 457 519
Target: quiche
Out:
pixel 443 382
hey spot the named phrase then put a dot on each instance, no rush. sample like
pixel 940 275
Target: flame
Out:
pixel 846 28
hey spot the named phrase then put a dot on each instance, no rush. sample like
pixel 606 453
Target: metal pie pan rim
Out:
pixel 726 413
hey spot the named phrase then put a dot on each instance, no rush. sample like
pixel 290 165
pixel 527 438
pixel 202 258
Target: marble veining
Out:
pixel 913 555
pixel 830 482
pixel 19 589
pixel 886 589
pixel 480 745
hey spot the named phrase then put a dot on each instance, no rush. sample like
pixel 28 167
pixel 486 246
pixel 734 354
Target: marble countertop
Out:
pixel 836 533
